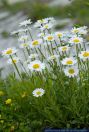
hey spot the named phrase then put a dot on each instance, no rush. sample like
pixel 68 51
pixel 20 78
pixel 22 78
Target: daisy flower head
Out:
pixel 75 30
pixel 53 57
pixel 64 48
pixel 36 43
pixel 24 45
pixel 59 34
pixel 26 23
pixel 37 25
pixel 1 93
pixel 84 55
pixel 41 35
pixel 50 20
pixel 19 31
pixel 47 26
pixel 40 23
pixel 15 60
pixel 49 38
pixel 8 101
pixel 76 40
pixel 36 65
pixel 83 30
pixel 23 38
pixel 9 51
pixel 80 30
pixel 38 92
pixel 71 72
pixel 33 56
pixel 69 61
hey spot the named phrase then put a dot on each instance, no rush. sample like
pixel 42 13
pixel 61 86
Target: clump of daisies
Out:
pixel 47 54
pixel 49 82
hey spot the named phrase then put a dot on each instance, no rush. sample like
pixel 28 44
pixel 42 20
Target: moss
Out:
pixel 5 34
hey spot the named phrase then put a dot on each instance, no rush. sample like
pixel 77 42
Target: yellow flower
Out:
pixel 8 101
pixel 23 95
pixel 1 93
pixel 2 121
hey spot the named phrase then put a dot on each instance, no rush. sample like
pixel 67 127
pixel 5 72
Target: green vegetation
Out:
pixel 5 34
pixel 78 10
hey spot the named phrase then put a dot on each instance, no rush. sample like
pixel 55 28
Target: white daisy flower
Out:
pixel 26 23
pixel 37 25
pixel 49 38
pixel 38 92
pixel 36 43
pixel 40 23
pixel 80 30
pixel 69 61
pixel 75 30
pixel 50 20
pixel 76 40
pixel 41 35
pixel 83 30
pixel 71 72
pixel 19 31
pixel 53 57
pixel 15 60
pixel 64 48
pixel 84 55
pixel 59 34
pixel 47 26
pixel 23 38
pixel 24 45
pixel 36 66
pixel 9 51
pixel 33 56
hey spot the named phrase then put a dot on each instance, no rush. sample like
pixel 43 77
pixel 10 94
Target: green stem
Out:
pixel 15 67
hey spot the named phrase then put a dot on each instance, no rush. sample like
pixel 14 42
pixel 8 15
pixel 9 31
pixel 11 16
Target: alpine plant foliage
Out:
pixel 50 84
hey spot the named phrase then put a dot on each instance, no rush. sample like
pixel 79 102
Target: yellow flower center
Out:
pixel 42 34
pixel 1 93
pixel 86 54
pixel 76 40
pixel 9 51
pixel 35 42
pixel 75 30
pixel 50 38
pixel 36 66
pixel 25 45
pixel 14 60
pixel 59 35
pixel 24 95
pixel 64 48
pixel 71 71
pixel 69 62
pixel 38 92
pixel 53 57
pixel 46 26
pixel 40 21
